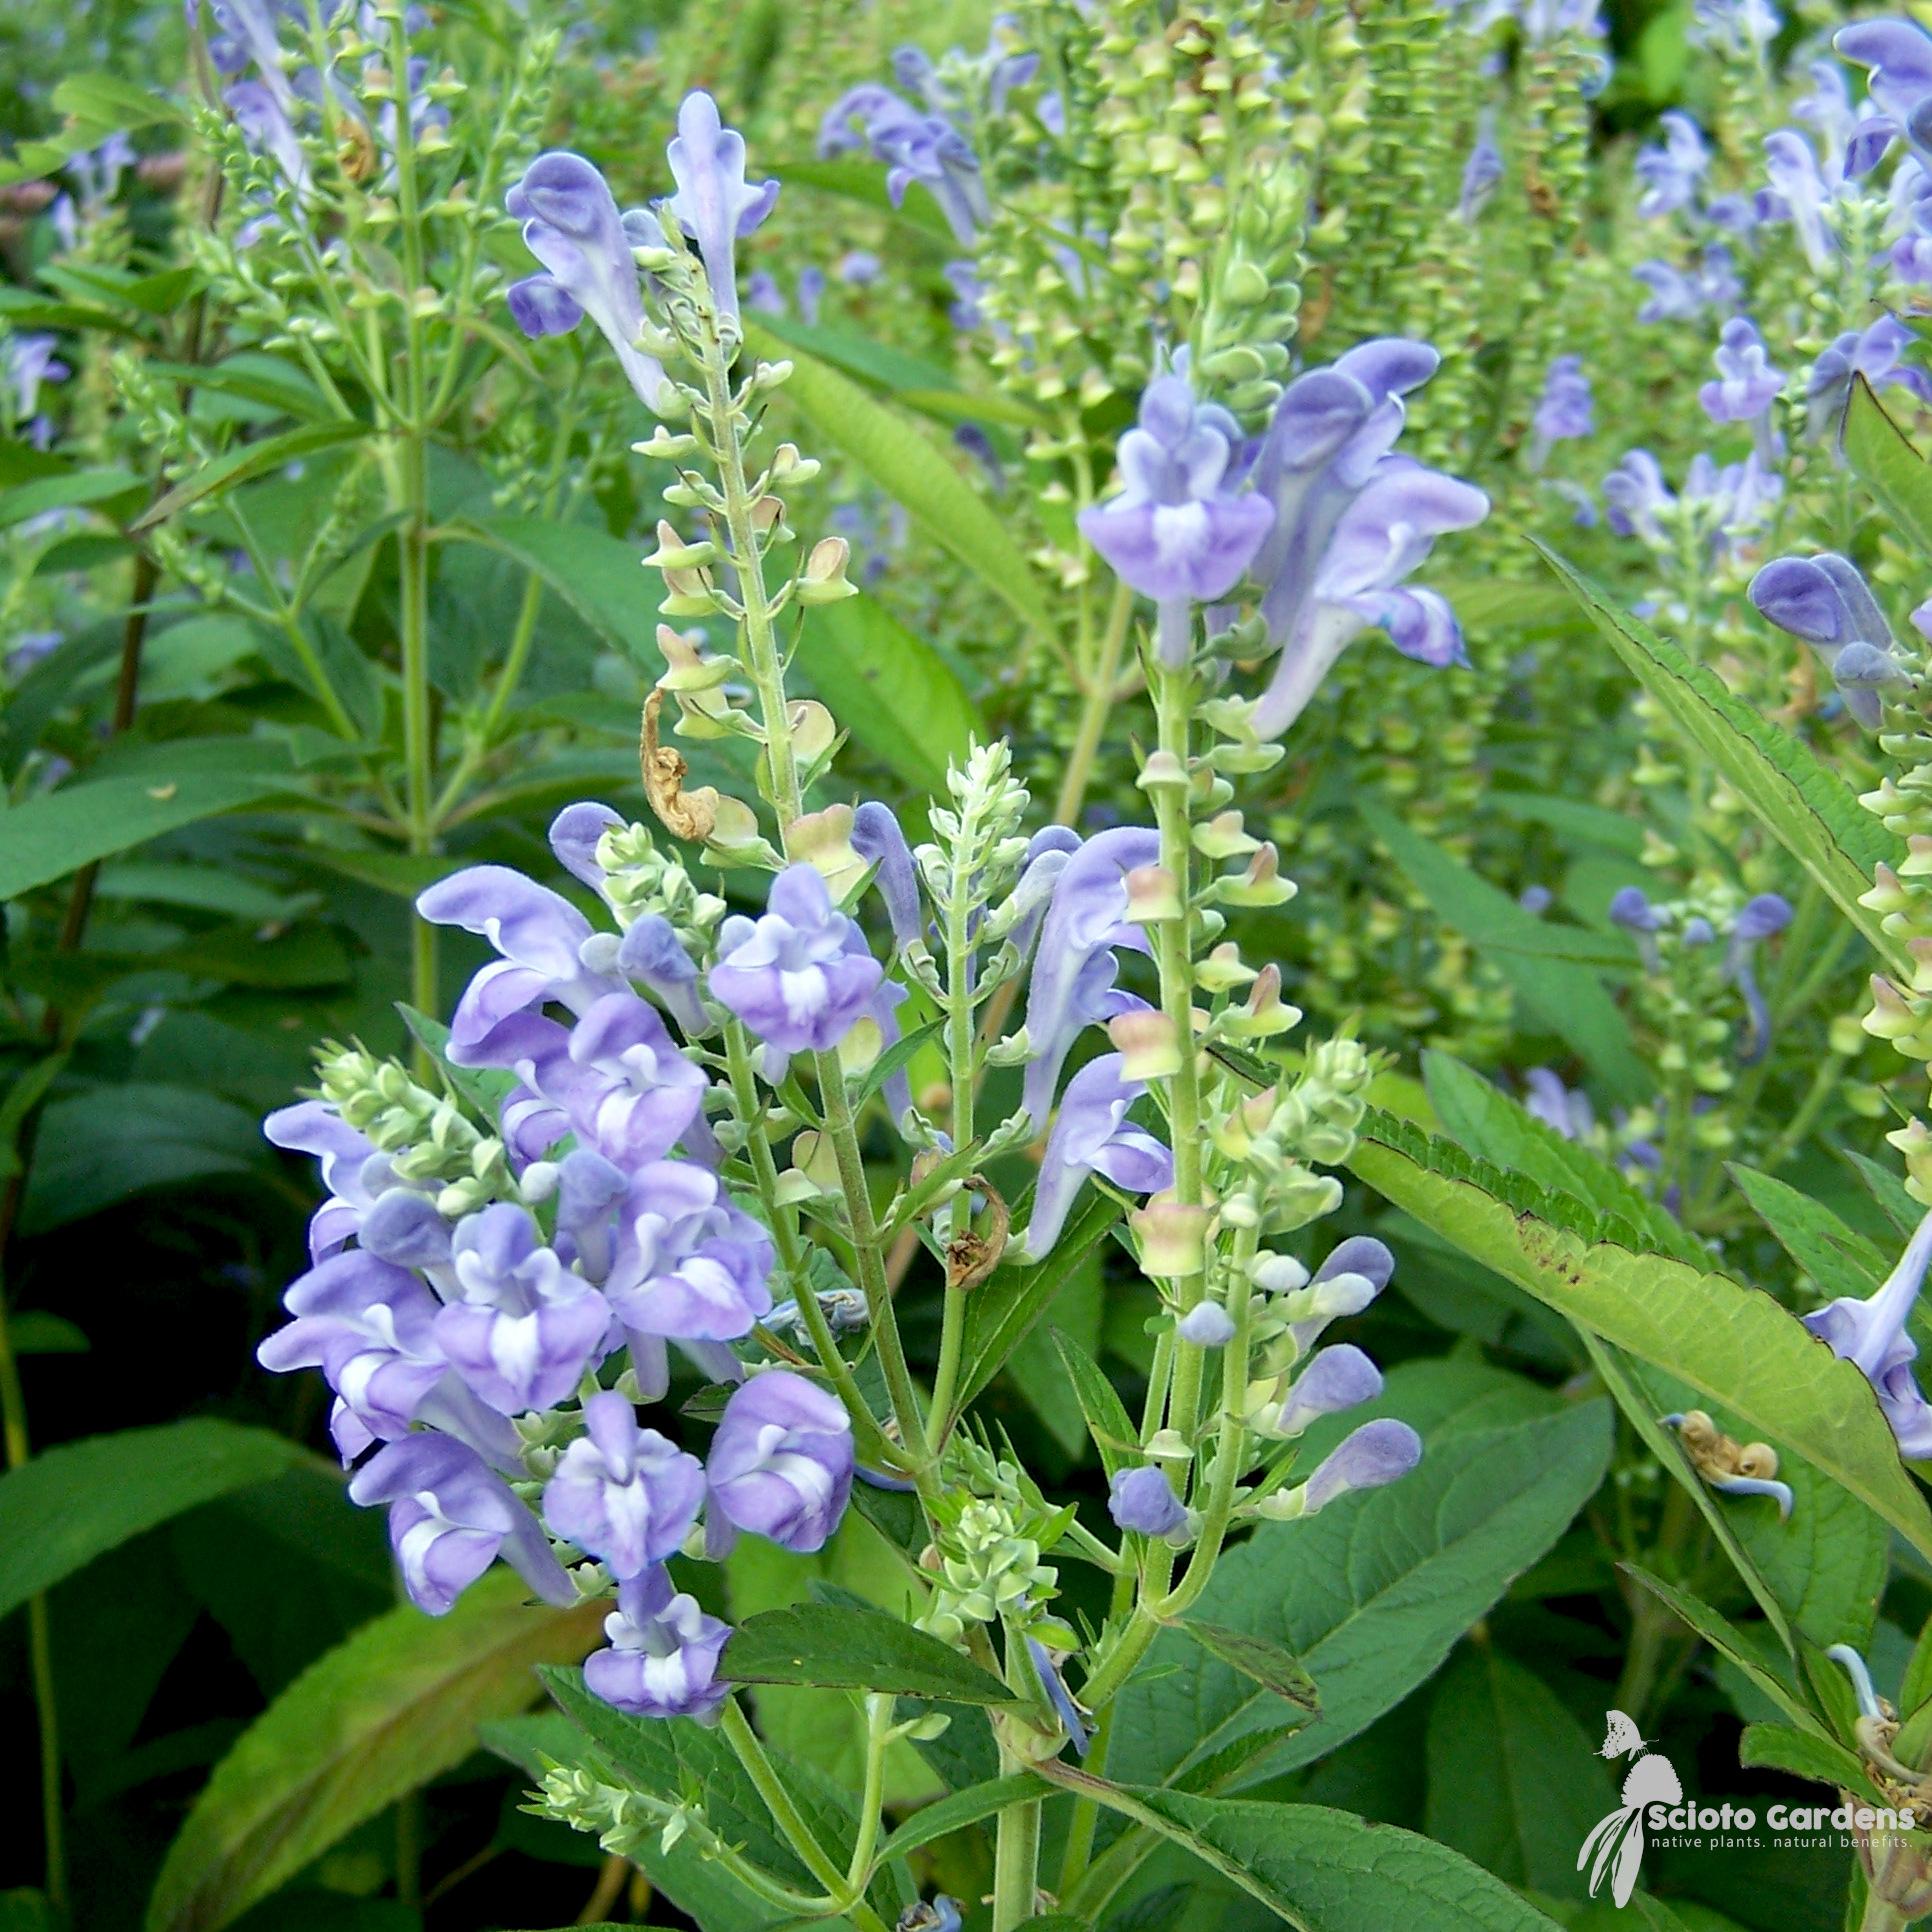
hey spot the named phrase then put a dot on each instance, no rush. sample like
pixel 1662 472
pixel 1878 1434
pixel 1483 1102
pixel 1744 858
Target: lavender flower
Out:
pixel 621 1492
pixel 1564 1110
pixel 1336 1378
pixel 1093 1135
pixel 781 1461
pixel 449 1520
pixel 32 359
pixel 1481 172
pixel 688 1266
pixel 344 1156
pixel 1678 295
pixel 1376 1453
pixel 714 203
pixel 1072 983
pixel 1899 53
pixel 1768 914
pixel 1873 1335
pixel 1744 27
pixel 1825 601
pixel 1073 1720
pixel 1565 411
pixel 1721 507
pixel 1179 531
pixel 1354 1273
pixel 1143 1500
pixel 879 840
pixel 1207 1325
pixel 524 1328
pixel 1351 522
pixel 1746 384
pixel 626 1088
pixel 540 936
pixel 924 147
pixel 571 224
pixel 1872 352
pixel 1672 173
pixel 799 976
pixel 662 1660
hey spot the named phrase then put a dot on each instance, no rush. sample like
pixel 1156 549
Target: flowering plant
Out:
pixel 1043 1239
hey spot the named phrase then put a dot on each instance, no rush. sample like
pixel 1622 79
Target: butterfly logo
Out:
pixel 1615 1847
pixel 1620 1737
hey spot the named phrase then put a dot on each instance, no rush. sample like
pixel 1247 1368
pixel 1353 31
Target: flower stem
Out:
pixel 767 671
pixel 1016 1863
pixel 790 1820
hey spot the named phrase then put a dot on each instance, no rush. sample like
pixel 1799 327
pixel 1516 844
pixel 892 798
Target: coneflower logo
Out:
pixel 1615 1846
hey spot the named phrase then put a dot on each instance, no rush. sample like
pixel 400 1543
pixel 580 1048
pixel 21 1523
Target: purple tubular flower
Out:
pixel 1336 1378
pixel 1564 1110
pixel 1672 173
pixel 540 936
pixel 1073 1719
pixel 1780 1493
pixel 621 1492
pixel 313 1127
pixel 688 1267
pixel 915 146
pixel 1746 384
pixel 1207 1325
pixel 1825 601
pixel 1899 53
pixel 1565 412
pixel 1178 532
pixel 589 1189
pixel 262 116
pixel 878 839
pixel 575 834
pixel 571 225
pixel 628 1090
pixel 800 975
pixel 1355 1272
pixel 1377 1453
pixel 1873 1335
pixel 1351 522
pixel 1760 918
pixel 1143 1500
pixel 1092 1135
pixel 1481 172
pixel 1873 353
pixel 450 1518
pixel 1072 983
pixel 663 1654
pixel 714 203
pixel 781 1461
pixel 370 1327
pixel 652 954
pixel 525 1329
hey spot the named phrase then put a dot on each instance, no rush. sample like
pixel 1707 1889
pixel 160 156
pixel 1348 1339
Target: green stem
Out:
pixel 878 1736
pixel 790 1820
pixel 1881 1915
pixel 1098 698
pixel 767 671
pixel 1016 1862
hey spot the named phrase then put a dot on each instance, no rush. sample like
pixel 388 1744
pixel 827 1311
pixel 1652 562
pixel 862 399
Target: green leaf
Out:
pixel 1883 459
pixel 865 182
pixel 917 475
pixel 1838 1258
pixel 238 466
pixel 890 689
pixel 1808 808
pixel 1486 1122
pixel 1323 1870
pixel 367 1723
pixel 1001 1311
pixel 1888 1191
pixel 1542 961
pixel 852 1648
pixel 1260 1658
pixel 58 832
pixel 1371 1594
pixel 1514 1781
pixel 38 1333
pixel 958 1810
pixel 1724 1637
pixel 602 578
pixel 1778 1747
pixel 73 1503
pixel 1108 1422
pixel 77 488
pixel 1731 1343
